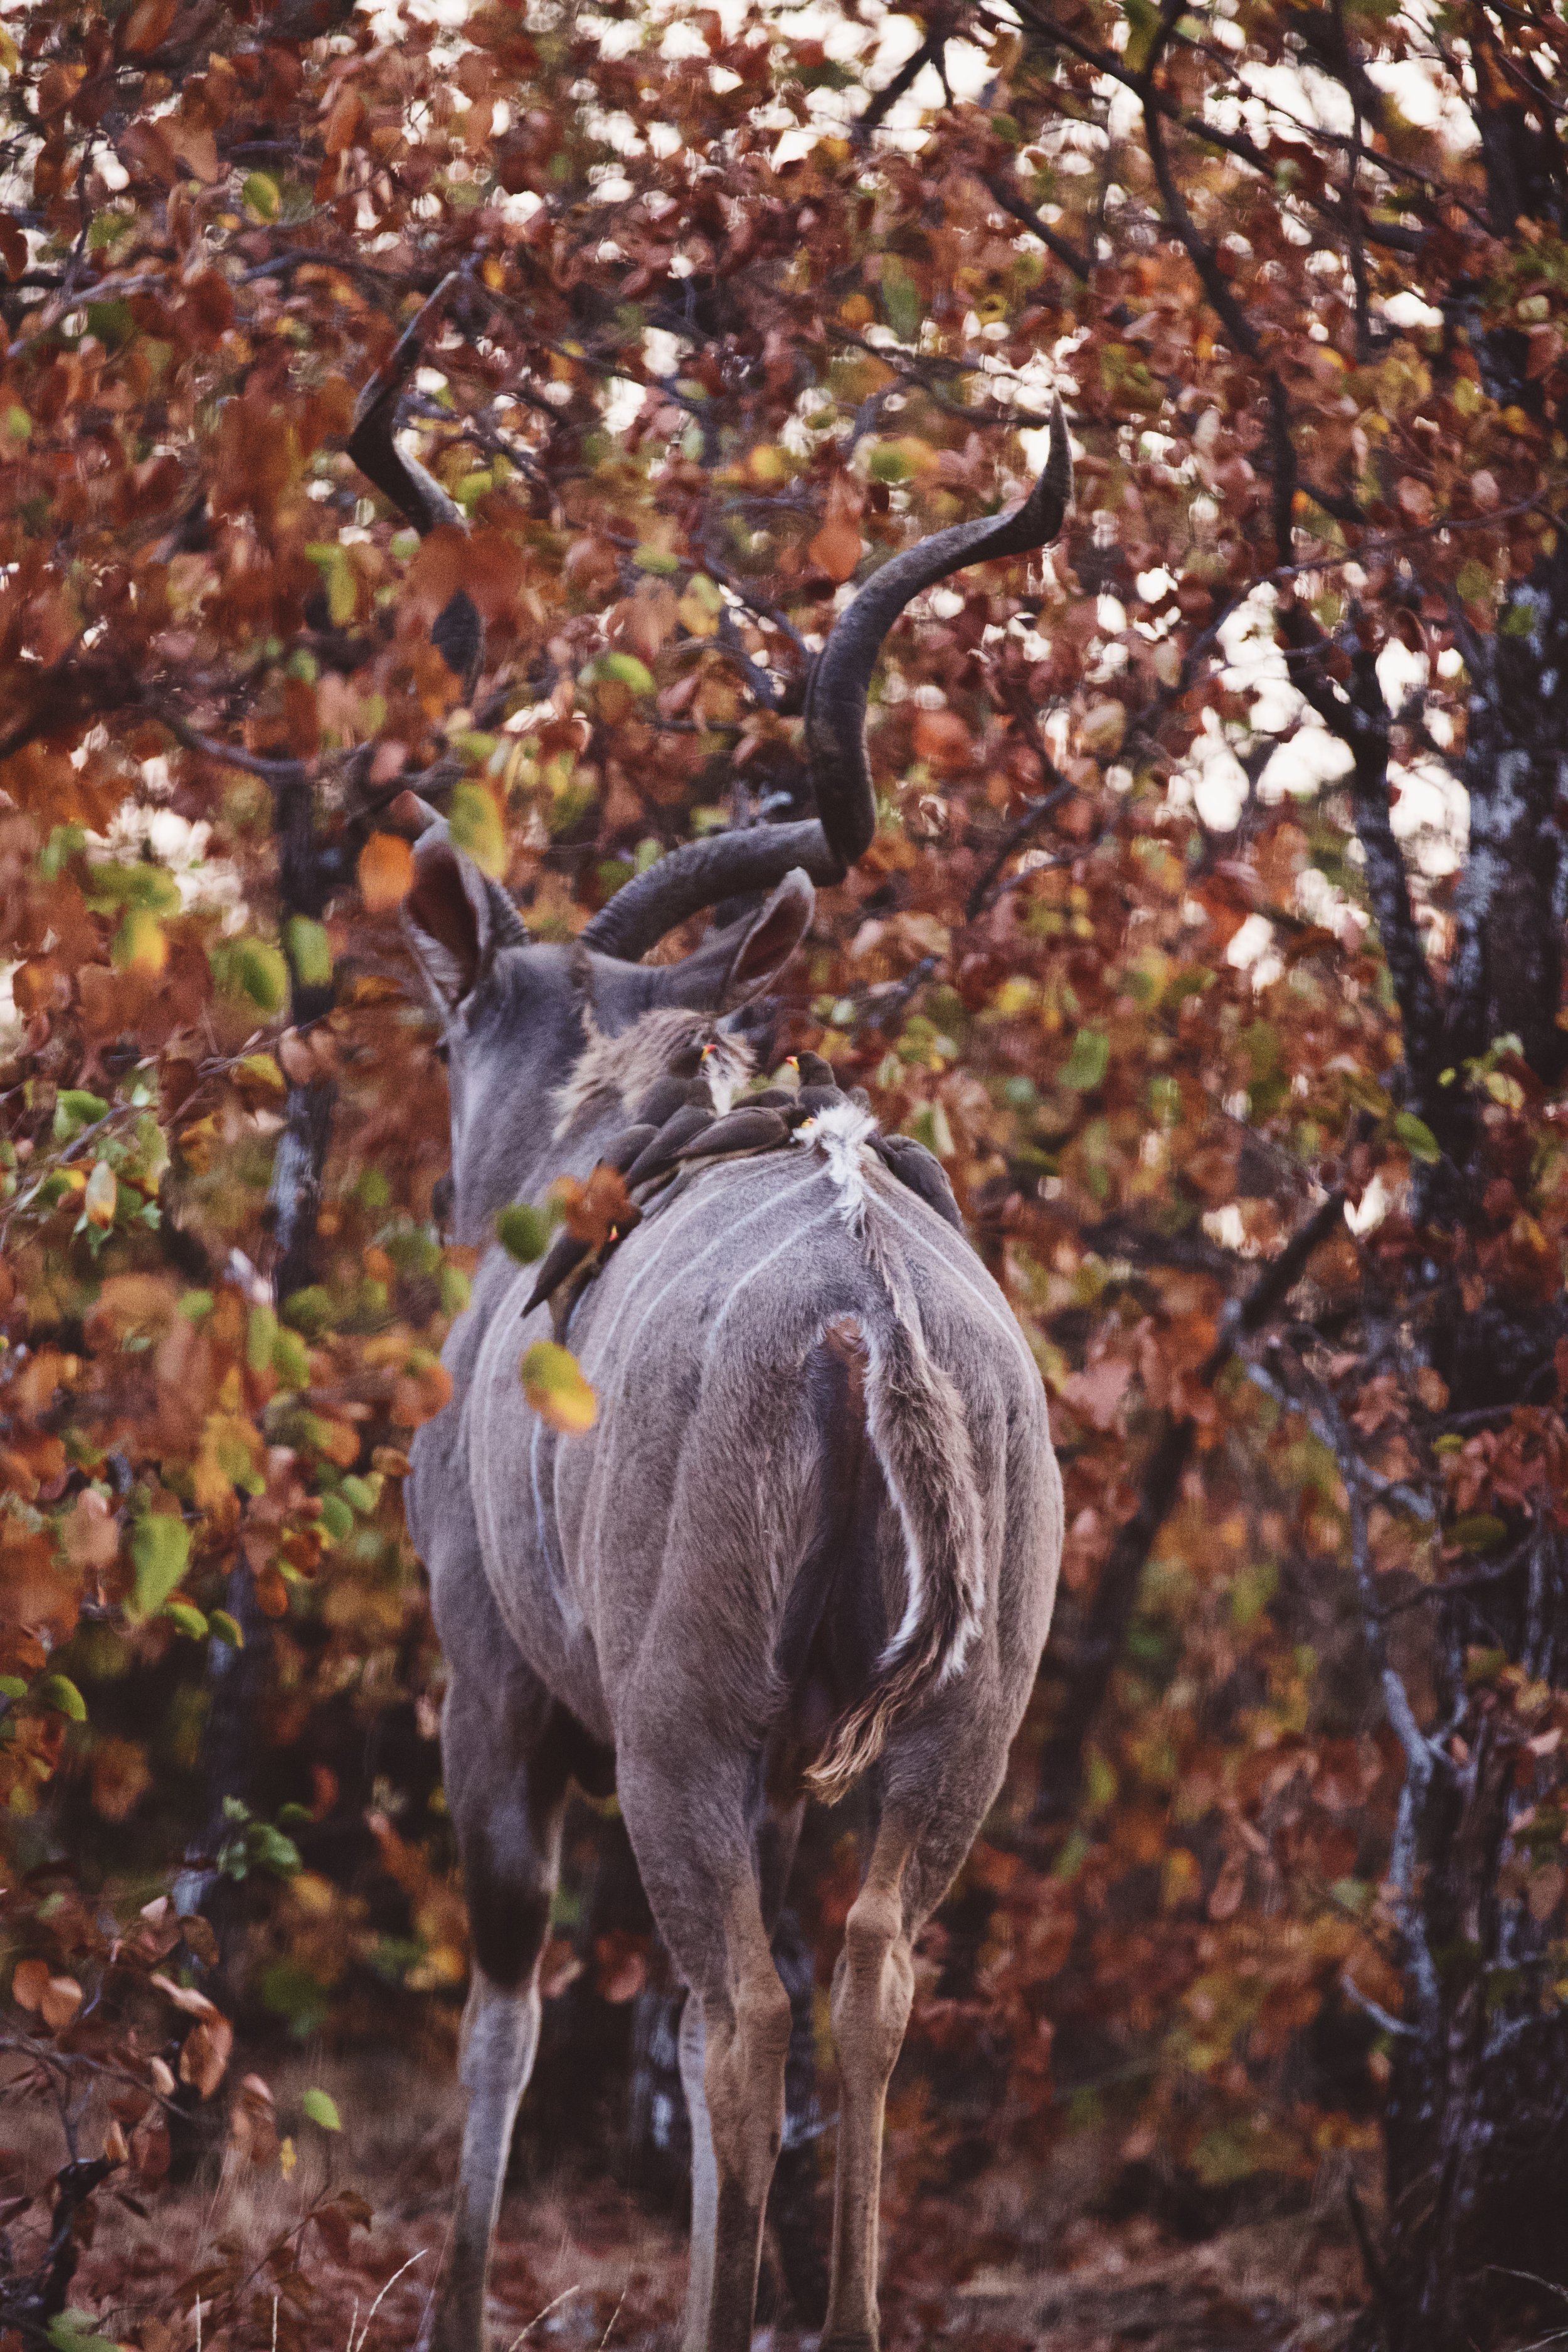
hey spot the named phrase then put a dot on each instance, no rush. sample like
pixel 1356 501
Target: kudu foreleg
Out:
pixel 506 1807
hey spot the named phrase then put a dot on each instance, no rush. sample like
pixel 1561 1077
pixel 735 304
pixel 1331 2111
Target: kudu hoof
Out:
pixel 848 2344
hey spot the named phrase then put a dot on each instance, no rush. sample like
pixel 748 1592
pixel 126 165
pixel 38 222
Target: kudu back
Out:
pixel 816 1530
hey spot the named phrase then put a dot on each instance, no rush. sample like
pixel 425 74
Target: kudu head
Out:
pixel 519 1012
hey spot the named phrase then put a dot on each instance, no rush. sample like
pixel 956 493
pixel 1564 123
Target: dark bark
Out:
pixel 237 1679
pixel 1506 977
pixel 1092 1657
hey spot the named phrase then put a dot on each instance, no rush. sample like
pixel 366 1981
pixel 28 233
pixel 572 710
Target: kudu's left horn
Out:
pixel 458 633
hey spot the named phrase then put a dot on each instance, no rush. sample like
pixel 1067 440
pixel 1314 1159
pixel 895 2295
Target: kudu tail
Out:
pixel 915 1421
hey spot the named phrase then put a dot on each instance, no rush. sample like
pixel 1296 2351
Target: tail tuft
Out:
pixel 916 1424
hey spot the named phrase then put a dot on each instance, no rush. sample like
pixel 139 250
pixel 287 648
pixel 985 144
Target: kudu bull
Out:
pixel 818 1524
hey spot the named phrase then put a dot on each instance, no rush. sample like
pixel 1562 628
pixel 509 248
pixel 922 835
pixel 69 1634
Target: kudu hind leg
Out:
pixel 699 1869
pixel 873 1989
pixel 507 1809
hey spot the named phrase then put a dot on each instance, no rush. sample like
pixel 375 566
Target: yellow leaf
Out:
pixel 102 1192
pixel 554 1384
pixel 476 825
pixel 139 944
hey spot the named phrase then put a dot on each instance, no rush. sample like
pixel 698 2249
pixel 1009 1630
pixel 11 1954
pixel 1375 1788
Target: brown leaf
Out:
pixel 205 2054
pixel 143 27
pixel 29 1984
pixel 195 2004
pixel 342 125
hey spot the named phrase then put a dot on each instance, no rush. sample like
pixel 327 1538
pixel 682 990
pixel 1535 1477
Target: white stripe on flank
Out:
pixel 789 1241
pixel 688 1266
pixel 1002 1320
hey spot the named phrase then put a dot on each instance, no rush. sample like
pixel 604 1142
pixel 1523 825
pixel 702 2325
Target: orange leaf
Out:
pixel 837 548
pixel 942 739
pixel 60 2001
pixel 386 872
pixel 594 1208
pixel 29 1984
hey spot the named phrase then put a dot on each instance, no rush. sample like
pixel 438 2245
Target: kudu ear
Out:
pixel 451 917
pixel 741 960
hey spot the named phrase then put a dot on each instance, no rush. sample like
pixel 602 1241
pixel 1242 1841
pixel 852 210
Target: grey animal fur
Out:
pixel 640 1590
pixel 817 1523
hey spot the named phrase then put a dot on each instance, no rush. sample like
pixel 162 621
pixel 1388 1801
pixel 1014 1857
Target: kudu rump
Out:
pixel 815 1529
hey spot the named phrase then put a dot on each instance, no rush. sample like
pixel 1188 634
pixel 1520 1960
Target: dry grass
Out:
pixel 1016 2260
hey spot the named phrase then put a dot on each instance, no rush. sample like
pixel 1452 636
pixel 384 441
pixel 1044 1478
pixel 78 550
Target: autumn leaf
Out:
pixel 204 2055
pixel 30 1982
pixel 59 2002
pixel 555 1388
pixel 384 871
pixel 837 548
pixel 98 1201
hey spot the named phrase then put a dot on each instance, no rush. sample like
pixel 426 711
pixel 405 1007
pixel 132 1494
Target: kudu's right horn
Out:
pixel 701 873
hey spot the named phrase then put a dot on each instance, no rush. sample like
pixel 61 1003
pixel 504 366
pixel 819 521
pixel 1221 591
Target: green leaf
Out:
pixel 74 1110
pixel 474 822
pixel 268 1849
pixel 362 1493
pixel 188 1618
pixel 1417 1138
pixel 655 558
pixel 1478 1531
pixel 309 1310
pixel 336 1518
pixel 295 1992
pixel 255 969
pixel 60 1692
pixel 260 1338
pixel 152 890
pixel 227 1628
pixel 1086 1065
pixel 322 2108
pixel 160 1552
pixel 1474 583
pixel 261 195
pixel 523 1232
pixel 628 670
pixel 310 951
pixel 902 304
pixel 76 2331
pixel 1142 25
